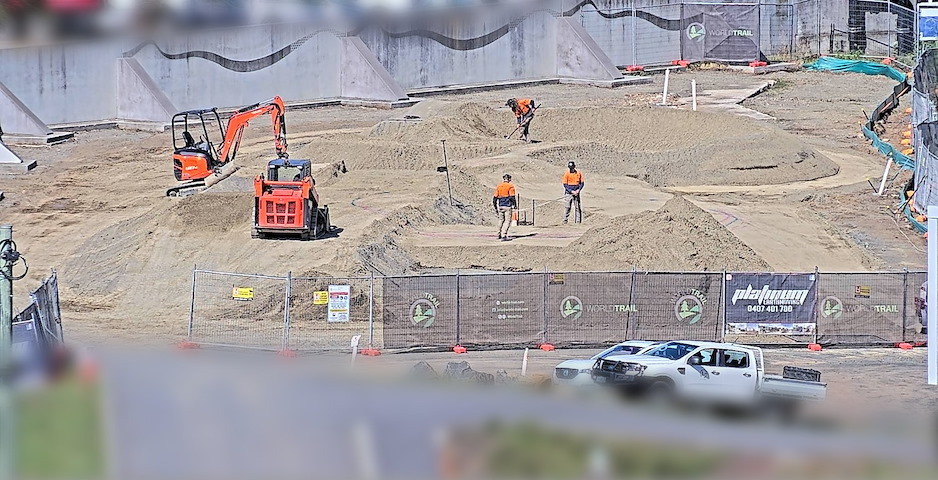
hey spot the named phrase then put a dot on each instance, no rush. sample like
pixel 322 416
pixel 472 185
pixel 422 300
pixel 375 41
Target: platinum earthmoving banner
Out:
pixel 771 303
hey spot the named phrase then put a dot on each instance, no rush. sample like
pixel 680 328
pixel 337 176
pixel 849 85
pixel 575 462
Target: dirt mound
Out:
pixel 678 236
pixel 215 212
pixel 667 147
pixel 465 121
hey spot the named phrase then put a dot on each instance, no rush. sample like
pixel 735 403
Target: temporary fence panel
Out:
pixel 238 310
pixel 777 24
pixel 914 313
pixel 924 117
pixel 588 308
pixel 502 309
pixel 326 312
pixel 861 308
pixel 46 301
pixel 420 311
pixel 726 32
pixel 807 30
pixel 672 306
pixel 660 33
pixel 770 308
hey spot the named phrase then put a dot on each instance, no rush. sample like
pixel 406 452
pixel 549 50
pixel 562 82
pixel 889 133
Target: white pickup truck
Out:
pixel 724 373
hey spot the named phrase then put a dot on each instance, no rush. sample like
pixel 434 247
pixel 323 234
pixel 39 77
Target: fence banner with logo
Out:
pixel 588 308
pixel 420 311
pixel 502 309
pixel 862 307
pixel 669 306
pixel 771 303
pixel 721 32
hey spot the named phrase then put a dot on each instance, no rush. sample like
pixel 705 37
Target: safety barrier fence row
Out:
pixel 924 135
pixel 37 329
pixel 512 310
pixel 637 32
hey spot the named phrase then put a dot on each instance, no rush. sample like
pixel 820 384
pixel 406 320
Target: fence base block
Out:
pixel 546 347
pixel 459 349
pixel 814 347
pixel 371 352
pixel 286 353
pixel 187 345
pixel 904 345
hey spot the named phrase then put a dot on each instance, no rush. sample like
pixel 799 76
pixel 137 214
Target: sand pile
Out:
pixel 678 236
pixel 671 148
pixel 465 121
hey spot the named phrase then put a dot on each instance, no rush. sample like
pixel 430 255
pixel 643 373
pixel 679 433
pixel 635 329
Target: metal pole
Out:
pixel 817 289
pixel 446 164
pixel 722 307
pixel 545 305
pixel 629 332
pixel 634 37
pixel 191 305
pixel 817 8
pixel 371 312
pixel 667 80
pixel 458 293
pixel 932 298
pixel 286 312
pixel 693 93
pixel 905 299
pixel 7 413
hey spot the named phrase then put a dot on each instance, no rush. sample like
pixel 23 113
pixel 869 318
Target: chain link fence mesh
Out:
pixel 238 310
pixel 311 327
pixel 676 305
pixel 861 308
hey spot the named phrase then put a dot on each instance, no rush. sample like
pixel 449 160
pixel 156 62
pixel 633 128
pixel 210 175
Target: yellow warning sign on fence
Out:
pixel 321 298
pixel 242 293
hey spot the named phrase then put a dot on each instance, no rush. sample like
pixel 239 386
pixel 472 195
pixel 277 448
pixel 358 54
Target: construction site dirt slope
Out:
pixel 125 252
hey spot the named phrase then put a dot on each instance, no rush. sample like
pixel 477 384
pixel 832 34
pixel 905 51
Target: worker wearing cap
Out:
pixel 524 112
pixel 504 202
pixel 572 186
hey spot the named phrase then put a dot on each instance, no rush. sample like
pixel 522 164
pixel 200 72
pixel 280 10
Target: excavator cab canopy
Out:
pixel 196 122
pixel 289 170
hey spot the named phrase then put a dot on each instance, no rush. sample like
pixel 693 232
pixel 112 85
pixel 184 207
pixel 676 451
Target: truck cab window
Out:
pixel 708 357
pixel 735 359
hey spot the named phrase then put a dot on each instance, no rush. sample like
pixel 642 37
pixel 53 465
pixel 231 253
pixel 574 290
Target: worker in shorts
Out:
pixel 572 186
pixel 504 202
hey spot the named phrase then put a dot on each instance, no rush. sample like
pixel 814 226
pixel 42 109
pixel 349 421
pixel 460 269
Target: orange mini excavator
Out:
pixel 286 202
pixel 202 164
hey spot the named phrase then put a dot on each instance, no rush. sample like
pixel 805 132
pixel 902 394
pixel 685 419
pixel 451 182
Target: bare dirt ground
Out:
pixel 787 194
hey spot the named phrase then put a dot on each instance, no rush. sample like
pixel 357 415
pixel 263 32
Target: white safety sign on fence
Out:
pixel 339 296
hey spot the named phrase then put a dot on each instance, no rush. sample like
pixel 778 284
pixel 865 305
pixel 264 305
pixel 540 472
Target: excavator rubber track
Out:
pixel 186 189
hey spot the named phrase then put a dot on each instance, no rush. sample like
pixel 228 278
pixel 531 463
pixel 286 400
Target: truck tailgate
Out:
pixel 775 385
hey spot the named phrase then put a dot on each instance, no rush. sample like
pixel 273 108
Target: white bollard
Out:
pixel 693 93
pixel 354 345
pixel 524 364
pixel 667 79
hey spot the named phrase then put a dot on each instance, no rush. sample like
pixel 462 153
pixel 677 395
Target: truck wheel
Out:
pixel 660 391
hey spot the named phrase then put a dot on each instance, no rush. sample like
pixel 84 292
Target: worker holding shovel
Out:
pixel 524 112
pixel 572 187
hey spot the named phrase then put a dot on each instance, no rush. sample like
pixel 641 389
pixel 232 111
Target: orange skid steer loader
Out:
pixel 286 202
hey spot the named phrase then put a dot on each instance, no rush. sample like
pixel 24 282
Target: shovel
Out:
pixel 523 124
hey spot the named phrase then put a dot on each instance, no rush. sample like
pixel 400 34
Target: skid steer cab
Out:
pixel 286 202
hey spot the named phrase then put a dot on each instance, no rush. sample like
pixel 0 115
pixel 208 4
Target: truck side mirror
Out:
pixel 695 360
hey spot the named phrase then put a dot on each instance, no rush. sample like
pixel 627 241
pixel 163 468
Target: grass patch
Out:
pixel 59 432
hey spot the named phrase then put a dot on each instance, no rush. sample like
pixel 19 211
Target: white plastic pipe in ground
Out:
pixel 932 299
pixel 524 363
pixel 667 79
pixel 693 93
pixel 882 183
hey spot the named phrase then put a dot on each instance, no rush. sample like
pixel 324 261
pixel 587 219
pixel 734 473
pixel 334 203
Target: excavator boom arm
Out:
pixel 236 123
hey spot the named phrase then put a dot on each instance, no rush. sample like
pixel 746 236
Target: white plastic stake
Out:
pixel 882 184
pixel 932 300
pixel 524 364
pixel 667 80
pixel 693 93
pixel 354 345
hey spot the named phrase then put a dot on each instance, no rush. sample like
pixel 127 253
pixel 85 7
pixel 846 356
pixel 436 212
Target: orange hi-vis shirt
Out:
pixel 505 194
pixel 572 178
pixel 524 106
